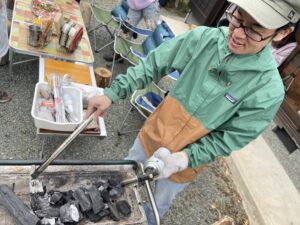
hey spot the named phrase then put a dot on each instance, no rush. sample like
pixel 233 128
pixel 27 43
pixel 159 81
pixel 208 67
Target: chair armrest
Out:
pixel 168 29
pixel 137 53
pixel 140 31
pixel 174 75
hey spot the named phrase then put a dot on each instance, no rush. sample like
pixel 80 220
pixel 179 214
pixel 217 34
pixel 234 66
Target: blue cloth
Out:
pixel 165 190
pixel 121 11
pixel 161 34
pixel 142 104
pixel 174 75
pixel 152 97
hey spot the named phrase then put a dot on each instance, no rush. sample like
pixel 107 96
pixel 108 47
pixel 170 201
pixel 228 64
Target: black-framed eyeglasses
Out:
pixel 252 34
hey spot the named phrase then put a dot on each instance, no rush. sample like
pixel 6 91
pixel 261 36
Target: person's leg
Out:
pixel 151 15
pixel 134 16
pixel 4 46
pixel 136 152
pixel 165 189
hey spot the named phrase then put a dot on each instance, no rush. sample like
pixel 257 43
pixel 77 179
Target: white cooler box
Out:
pixel 76 96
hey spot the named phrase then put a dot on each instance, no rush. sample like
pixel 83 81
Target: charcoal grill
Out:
pixel 64 175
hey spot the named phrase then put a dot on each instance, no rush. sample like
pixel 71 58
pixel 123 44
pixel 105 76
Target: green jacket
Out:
pixel 220 103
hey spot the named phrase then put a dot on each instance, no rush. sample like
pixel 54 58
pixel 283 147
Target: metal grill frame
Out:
pixel 122 167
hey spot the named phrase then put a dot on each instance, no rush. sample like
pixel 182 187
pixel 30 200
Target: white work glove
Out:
pixel 173 162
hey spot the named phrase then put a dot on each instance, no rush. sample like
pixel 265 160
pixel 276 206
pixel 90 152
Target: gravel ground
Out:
pixel 209 197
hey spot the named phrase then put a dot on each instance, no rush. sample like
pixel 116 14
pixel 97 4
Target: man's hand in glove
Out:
pixel 173 162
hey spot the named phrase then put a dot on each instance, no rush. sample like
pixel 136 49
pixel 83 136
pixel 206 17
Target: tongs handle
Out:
pixel 59 150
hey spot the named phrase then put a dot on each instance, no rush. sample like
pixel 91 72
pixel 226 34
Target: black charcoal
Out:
pixel 69 213
pixel 97 201
pixel 102 185
pixel 83 199
pixel 67 196
pixel 114 215
pixel 115 193
pixel 114 182
pixel 47 212
pixel 123 207
pixel 39 201
pixel 105 196
pixel 20 211
pixel 97 217
pixel 55 197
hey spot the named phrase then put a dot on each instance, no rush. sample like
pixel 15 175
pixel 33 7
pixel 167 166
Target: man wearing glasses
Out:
pixel 228 92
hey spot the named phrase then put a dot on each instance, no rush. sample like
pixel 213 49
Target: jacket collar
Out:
pixel 261 61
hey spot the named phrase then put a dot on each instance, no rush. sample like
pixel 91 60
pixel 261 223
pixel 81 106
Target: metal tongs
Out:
pixel 62 147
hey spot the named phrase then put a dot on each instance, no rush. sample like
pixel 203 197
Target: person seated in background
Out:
pixel 138 10
pixel 282 49
pixel 143 9
pixel 3 45
pixel 3 34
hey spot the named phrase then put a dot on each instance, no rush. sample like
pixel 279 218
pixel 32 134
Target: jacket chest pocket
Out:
pixel 211 88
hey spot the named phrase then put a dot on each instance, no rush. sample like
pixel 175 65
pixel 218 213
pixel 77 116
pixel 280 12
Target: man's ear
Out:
pixel 283 33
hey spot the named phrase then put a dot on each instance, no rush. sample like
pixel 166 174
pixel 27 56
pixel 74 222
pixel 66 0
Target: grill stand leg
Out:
pixel 151 198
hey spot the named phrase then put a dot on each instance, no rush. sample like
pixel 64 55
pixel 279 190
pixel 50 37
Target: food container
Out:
pixel 37 37
pixel 70 36
pixel 34 35
pixel 75 96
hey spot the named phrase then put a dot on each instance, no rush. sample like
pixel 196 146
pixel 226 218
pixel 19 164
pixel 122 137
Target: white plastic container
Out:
pixel 76 96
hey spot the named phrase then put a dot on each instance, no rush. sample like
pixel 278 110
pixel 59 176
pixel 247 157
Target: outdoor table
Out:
pixel 22 17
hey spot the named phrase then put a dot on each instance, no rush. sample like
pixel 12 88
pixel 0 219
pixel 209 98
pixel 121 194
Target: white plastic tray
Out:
pixel 76 96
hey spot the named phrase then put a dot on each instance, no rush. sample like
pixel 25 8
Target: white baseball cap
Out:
pixel 271 14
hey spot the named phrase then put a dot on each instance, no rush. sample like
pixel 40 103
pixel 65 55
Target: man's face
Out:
pixel 239 42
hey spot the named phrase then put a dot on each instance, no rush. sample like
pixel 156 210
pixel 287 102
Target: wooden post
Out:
pixel 21 212
pixel 103 77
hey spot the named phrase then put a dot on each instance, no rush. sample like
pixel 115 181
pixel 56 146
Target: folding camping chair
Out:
pixel 147 99
pixel 108 19
pixel 133 51
pixel 145 102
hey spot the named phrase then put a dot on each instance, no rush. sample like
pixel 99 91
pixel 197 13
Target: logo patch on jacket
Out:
pixel 230 98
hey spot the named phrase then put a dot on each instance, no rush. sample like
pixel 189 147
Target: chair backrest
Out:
pixel 121 11
pixel 147 93
pixel 103 16
pixel 161 34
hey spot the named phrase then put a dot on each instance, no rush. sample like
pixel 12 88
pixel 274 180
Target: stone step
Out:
pixel 270 197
